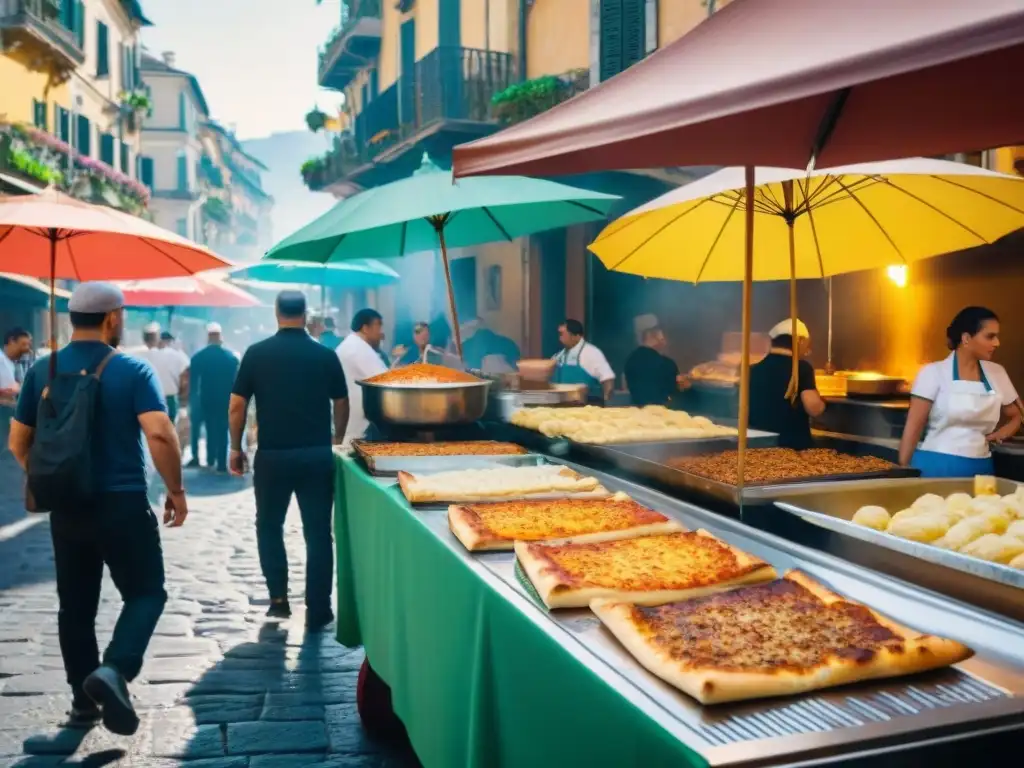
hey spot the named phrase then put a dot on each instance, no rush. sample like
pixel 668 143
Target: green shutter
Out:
pixel 634 31
pixel 60 123
pixel 611 47
pixel 39 114
pixel 146 171
pixel 126 158
pixel 449 24
pixel 102 50
pixel 181 112
pixel 182 172
pixel 84 138
pixel 79 21
pixel 107 148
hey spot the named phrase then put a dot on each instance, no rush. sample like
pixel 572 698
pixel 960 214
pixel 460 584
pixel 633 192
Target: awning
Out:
pixel 762 81
pixel 28 290
pixel 15 183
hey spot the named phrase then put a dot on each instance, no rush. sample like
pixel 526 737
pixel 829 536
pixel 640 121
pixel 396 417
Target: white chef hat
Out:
pixel 214 328
pixel 785 328
pixel 151 328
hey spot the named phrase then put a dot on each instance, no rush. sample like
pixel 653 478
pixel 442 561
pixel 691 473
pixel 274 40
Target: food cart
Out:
pixel 481 673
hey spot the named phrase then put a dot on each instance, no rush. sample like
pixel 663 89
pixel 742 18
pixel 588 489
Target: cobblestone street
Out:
pixel 223 687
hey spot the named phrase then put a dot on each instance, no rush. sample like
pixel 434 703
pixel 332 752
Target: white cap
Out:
pixel 785 328
pixel 152 328
pixel 214 328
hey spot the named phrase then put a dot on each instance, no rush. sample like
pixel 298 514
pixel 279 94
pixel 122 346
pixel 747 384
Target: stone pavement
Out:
pixel 223 687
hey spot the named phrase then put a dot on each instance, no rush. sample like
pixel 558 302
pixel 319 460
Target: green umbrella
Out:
pixel 429 209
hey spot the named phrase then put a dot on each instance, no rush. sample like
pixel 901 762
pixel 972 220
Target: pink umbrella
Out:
pixel 198 291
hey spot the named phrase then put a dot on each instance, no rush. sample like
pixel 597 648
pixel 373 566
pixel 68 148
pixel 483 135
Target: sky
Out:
pixel 255 61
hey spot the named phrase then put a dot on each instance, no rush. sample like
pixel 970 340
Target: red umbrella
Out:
pixel 775 82
pixel 53 235
pixel 198 291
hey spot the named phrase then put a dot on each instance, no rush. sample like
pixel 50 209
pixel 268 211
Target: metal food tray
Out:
pixel 392 465
pixel 981 697
pixel 684 446
pixel 996 587
pixel 650 462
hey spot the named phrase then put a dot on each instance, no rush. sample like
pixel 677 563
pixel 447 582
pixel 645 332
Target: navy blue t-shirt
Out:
pixel 128 388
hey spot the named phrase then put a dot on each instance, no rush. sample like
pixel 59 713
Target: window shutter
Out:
pixel 39 114
pixel 610 53
pixel 84 138
pixel 634 31
pixel 126 158
pixel 79 21
pixel 182 226
pixel 102 50
pixel 146 171
pixel 182 173
pixel 107 148
pixel 122 64
pixel 61 126
pixel 181 111
pixel 449 24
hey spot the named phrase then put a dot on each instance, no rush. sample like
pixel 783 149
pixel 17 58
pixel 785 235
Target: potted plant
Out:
pixel 132 106
pixel 316 119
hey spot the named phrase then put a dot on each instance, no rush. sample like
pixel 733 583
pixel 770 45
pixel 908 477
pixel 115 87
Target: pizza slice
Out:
pixel 648 570
pixel 502 483
pixel 499 525
pixel 776 639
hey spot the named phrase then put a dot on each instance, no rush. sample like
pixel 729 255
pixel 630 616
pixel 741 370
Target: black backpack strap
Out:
pixel 103 363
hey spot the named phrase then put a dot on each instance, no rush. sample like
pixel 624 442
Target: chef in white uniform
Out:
pixel 959 403
pixel 361 358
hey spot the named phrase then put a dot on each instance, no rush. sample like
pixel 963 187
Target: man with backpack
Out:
pixel 78 434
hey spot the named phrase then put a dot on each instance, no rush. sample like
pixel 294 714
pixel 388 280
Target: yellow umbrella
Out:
pixel 828 222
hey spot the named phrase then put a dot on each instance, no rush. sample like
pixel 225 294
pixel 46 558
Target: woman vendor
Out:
pixel 961 400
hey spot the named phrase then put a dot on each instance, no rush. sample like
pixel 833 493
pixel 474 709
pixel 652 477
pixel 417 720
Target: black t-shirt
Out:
pixel 651 377
pixel 770 411
pixel 294 379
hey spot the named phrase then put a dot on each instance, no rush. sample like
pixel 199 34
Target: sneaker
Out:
pixel 109 690
pixel 317 621
pixel 194 464
pixel 279 609
pixel 84 714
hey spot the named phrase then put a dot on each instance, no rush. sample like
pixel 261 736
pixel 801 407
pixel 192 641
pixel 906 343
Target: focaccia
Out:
pixel 499 525
pixel 775 639
pixel 647 570
pixel 498 484
pixel 450 448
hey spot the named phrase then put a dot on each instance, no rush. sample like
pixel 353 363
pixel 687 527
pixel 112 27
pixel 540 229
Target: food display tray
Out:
pixel 392 465
pixel 650 462
pixel 982 697
pixel 996 587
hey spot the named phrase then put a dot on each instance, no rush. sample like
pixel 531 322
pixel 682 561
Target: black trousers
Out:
pixel 121 532
pixel 215 417
pixel 308 473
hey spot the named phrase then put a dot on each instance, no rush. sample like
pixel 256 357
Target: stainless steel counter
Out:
pixel 897 719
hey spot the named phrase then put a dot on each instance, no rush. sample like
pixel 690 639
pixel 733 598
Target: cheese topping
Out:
pixel 505 480
pixel 686 560
pixel 541 520
pixel 463 448
pixel 764 628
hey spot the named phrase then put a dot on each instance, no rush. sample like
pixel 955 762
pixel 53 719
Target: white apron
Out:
pixel 972 412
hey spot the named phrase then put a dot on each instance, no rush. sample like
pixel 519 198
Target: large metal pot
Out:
pixel 409 405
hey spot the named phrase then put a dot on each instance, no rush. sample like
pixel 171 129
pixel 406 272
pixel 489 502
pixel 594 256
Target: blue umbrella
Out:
pixel 363 273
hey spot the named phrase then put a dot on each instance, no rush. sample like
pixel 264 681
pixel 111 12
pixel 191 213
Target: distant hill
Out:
pixel 283 153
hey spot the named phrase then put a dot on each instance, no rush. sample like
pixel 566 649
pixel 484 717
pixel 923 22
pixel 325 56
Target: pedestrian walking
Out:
pixel 294 381
pixel 213 372
pixel 78 433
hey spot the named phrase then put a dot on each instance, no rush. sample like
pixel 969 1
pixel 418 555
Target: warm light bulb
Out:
pixel 898 274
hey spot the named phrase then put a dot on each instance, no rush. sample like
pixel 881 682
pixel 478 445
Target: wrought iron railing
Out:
pixel 352 12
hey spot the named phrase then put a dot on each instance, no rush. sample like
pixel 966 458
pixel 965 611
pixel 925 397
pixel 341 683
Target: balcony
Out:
pixel 444 101
pixel 352 45
pixel 50 32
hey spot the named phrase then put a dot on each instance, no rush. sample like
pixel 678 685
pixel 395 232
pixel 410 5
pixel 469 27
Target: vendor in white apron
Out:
pixel 580 362
pixel 958 403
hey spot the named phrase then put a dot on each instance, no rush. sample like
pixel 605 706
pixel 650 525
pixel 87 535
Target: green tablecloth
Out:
pixel 475 681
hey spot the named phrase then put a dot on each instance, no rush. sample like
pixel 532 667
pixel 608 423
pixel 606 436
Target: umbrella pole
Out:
pixel 748 273
pixel 53 302
pixel 829 369
pixel 793 388
pixel 438 223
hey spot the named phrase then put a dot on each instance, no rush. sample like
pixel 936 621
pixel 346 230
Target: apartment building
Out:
pixel 72 104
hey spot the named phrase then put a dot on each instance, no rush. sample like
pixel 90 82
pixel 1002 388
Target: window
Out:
pixel 102 50
pixel 181 227
pixel 107 148
pixel 83 136
pixel 182 111
pixel 623 35
pixel 126 158
pixel 39 114
pixel 146 171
